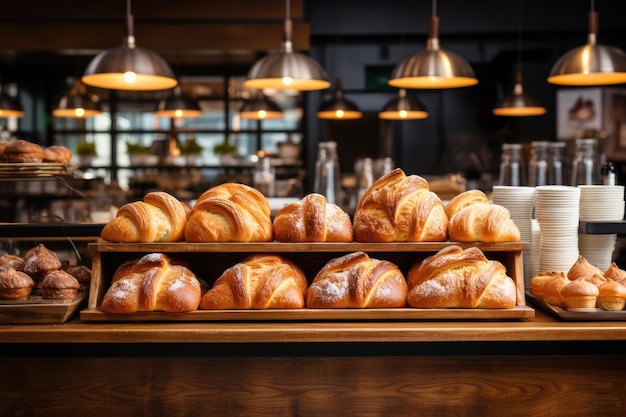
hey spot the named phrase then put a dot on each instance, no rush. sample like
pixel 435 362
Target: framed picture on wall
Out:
pixel 580 113
pixel 615 123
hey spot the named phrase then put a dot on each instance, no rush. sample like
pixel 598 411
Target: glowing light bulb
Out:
pixel 339 114
pixel 178 113
pixel 262 114
pixel 287 80
pixel 403 114
pixel 130 77
pixel 79 112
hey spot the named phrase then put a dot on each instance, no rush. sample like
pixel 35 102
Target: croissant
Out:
pixel 457 278
pixel 153 282
pixel 400 208
pixel 475 220
pixel 230 212
pixel 160 217
pixel 312 219
pixel 357 281
pixel 258 282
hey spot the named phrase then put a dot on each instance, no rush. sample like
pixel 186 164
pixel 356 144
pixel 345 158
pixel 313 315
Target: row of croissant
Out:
pixel 451 278
pixel 396 208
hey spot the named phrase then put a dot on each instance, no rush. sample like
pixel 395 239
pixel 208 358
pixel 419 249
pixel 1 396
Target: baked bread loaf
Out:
pixel 13 261
pixel 400 208
pixel 258 282
pixel 57 154
pixel 14 285
pixel 582 268
pixel 39 261
pixel 160 217
pixel 580 294
pixel 59 285
pixel 473 219
pixel 611 296
pixel 3 145
pixel 23 151
pixel 357 281
pixel 230 212
pixel 457 278
pixel 312 219
pixel 153 282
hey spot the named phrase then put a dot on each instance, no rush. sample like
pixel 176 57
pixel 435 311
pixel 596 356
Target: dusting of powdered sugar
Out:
pixel 121 288
pixel 331 289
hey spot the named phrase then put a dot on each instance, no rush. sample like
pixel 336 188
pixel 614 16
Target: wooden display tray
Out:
pixel 36 310
pixel 209 260
pixel 591 314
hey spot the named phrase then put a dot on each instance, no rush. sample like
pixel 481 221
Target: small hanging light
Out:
pixel 403 107
pixel 129 67
pixel 433 67
pixel 339 107
pixel 77 103
pixel 260 108
pixel 287 69
pixel 590 64
pixel 178 106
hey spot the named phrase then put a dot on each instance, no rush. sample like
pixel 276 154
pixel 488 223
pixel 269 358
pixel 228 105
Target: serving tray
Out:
pixel 582 314
pixel 40 170
pixel 36 310
pixel 209 260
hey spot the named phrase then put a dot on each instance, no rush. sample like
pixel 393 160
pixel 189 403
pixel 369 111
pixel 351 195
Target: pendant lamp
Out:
pixel 339 107
pixel 77 103
pixel 592 63
pixel 403 107
pixel 260 108
pixel 129 67
pixel 433 67
pixel 178 106
pixel 287 69
pixel 9 106
pixel 519 104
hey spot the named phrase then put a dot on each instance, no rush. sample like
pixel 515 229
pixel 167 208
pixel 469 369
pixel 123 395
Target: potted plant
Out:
pixel 226 152
pixel 191 149
pixel 86 152
pixel 136 152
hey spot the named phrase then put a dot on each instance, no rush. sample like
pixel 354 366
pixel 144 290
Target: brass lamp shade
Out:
pixel 77 103
pixel 178 106
pixel 9 106
pixel 433 67
pixel 260 108
pixel 403 107
pixel 519 104
pixel 590 64
pixel 339 107
pixel 129 67
pixel 287 69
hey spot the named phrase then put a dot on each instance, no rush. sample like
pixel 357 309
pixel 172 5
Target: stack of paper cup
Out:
pixel 520 201
pixel 557 209
pixel 600 203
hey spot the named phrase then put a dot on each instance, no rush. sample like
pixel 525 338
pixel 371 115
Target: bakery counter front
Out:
pixel 539 366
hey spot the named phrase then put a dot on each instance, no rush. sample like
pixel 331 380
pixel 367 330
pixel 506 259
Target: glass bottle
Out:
pixel 557 166
pixel 512 169
pixel 585 169
pixel 538 164
pixel 327 176
pixel 264 177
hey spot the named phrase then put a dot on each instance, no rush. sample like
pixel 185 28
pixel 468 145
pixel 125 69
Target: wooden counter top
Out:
pixel 540 328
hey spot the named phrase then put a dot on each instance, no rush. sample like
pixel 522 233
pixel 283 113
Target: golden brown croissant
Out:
pixel 258 282
pixel 160 217
pixel 457 278
pixel 474 220
pixel 230 213
pixel 312 219
pixel 153 282
pixel 357 281
pixel 400 208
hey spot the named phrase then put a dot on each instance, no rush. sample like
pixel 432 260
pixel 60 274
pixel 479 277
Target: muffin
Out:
pixel 611 296
pixel 80 272
pixel 39 261
pixel 582 268
pixel 580 294
pixel 15 285
pixel 13 261
pixel 59 285
pixel 615 273
pixel 552 289
pixel 538 283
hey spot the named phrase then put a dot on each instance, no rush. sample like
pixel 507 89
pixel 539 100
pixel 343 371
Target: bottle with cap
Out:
pixel 609 174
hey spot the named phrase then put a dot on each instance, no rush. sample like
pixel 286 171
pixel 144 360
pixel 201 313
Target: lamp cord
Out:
pixel 434 7
pixel 519 38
